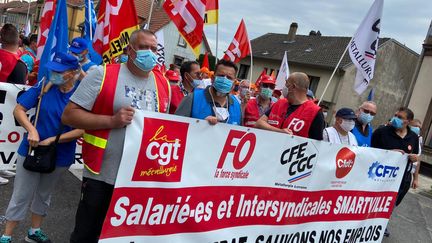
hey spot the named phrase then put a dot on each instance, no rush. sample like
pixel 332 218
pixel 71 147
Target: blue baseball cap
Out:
pixel 346 113
pixel 63 62
pixel 310 94
pixel 78 45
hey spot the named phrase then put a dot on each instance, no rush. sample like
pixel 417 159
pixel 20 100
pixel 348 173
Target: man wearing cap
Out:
pixel 340 132
pixel 257 107
pixel 78 47
pixel 214 103
pixel 103 105
pixel 176 92
pixel 29 58
pixel 363 129
pixel 296 114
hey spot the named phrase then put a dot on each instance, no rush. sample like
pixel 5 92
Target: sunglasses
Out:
pixel 368 112
pixel 271 86
pixel 400 117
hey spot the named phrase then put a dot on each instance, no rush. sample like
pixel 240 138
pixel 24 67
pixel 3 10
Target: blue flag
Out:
pixel 57 40
pixel 371 94
pixel 90 17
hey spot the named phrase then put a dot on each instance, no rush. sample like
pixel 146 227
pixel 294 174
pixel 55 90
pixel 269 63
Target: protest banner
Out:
pixel 12 133
pixel 182 180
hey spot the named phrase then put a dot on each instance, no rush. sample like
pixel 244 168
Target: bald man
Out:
pixel 295 114
pixel 103 105
pixel 363 129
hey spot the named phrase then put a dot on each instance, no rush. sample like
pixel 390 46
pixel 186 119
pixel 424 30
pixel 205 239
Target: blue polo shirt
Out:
pixel 51 110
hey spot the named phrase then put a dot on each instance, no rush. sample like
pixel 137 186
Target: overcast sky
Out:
pixel 407 21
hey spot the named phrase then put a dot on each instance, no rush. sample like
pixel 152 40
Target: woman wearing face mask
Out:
pixel 33 187
pixel 255 108
pixel 340 132
pixel 214 103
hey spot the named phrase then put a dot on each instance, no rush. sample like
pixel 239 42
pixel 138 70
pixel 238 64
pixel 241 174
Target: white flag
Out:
pixel 283 73
pixel 161 48
pixel 27 28
pixel 364 45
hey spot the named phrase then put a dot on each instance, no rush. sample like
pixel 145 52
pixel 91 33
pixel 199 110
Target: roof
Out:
pixel 13 4
pixel 320 51
pixel 158 18
pixel 24 8
pixel 76 3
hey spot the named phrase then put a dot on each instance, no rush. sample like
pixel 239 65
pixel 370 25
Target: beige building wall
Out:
pixel 422 93
pixel 75 17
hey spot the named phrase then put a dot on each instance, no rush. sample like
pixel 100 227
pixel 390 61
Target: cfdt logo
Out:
pixel 379 171
pixel 238 150
pixel 162 150
pixel 298 161
pixel 345 159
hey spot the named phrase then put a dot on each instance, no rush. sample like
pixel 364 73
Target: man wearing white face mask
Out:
pixel 215 103
pixel 103 105
pixel 340 132
pixel 363 129
pixel 255 108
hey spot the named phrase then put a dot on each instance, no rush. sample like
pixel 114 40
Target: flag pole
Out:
pixel 28 13
pixel 251 68
pixel 334 71
pixel 90 20
pixel 217 40
pixel 150 14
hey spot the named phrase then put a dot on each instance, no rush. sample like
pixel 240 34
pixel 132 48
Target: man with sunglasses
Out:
pixel 363 129
pixel 214 103
pixel 257 107
pixel 296 115
pixel 398 137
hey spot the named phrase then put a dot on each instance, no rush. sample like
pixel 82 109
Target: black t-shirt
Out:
pixel 317 126
pixel 18 74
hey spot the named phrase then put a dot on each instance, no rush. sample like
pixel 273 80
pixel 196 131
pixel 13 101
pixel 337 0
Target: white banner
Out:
pixel 161 48
pixel 183 180
pixel 283 73
pixel 364 46
pixel 11 132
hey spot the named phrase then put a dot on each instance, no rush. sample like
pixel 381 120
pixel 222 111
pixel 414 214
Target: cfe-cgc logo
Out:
pixel 345 160
pixel 162 150
pixel 238 150
pixel 381 172
pixel 299 161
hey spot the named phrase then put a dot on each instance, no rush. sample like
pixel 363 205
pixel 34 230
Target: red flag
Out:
pixel 116 21
pixel 264 72
pixel 239 47
pixel 188 16
pixel 212 12
pixel 205 62
pixel 44 26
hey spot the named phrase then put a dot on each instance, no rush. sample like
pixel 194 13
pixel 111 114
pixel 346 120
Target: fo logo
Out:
pixel 162 150
pixel 345 159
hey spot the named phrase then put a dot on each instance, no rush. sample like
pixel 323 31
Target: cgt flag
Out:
pixel 188 16
pixel 44 26
pixel 363 46
pixel 116 21
pixel 212 12
pixel 240 45
pixel 57 40
pixel 283 73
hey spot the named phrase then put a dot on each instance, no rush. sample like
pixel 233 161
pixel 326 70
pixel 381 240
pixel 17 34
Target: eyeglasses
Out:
pixel 368 111
pixel 400 117
pixel 271 86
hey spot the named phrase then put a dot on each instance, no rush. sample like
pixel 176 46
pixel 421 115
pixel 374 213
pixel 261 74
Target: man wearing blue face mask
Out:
pixel 398 137
pixel 363 129
pixel 78 48
pixel 103 105
pixel 214 103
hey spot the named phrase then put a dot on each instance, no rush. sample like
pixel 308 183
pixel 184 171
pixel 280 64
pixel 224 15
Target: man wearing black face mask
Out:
pixel 103 105
pixel 215 103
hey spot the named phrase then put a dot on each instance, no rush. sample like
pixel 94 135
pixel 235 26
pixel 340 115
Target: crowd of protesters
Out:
pixel 95 102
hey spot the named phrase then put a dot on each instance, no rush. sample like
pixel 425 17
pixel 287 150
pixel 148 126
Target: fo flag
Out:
pixel 283 73
pixel 57 40
pixel 44 26
pixel 240 46
pixel 188 16
pixel 212 12
pixel 116 21
pixel 363 46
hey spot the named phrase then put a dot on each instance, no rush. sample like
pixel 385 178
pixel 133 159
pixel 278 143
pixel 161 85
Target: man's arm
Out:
pixel 18 74
pixel 185 106
pixel 263 124
pixel 317 127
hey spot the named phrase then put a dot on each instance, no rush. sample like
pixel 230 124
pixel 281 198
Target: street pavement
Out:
pixel 411 221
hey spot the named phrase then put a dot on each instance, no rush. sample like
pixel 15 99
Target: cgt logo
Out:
pixel 345 159
pixel 162 150
pixel 299 161
pixel 378 170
